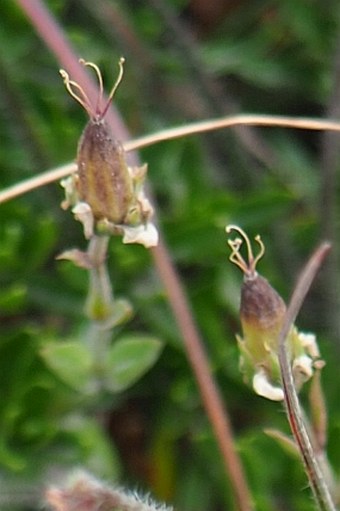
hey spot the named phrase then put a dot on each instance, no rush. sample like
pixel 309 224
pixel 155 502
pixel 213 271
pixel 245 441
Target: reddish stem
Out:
pixel 215 408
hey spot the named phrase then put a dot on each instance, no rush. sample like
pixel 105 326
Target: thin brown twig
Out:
pixel 35 182
pixel 173 133
pixel 278 121
pixel 315 476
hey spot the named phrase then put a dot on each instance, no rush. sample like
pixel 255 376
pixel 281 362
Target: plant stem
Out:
pixel 99 303
pixel 278 121
pixel 172 133
pixel 100 297
pixel 316 478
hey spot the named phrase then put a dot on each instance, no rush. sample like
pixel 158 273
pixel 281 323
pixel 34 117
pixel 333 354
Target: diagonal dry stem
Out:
pixel 316 478
pixel 173 133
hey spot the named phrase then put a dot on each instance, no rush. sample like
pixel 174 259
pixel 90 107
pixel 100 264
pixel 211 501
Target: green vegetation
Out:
pixel 133 414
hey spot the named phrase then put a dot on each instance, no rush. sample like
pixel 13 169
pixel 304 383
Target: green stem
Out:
pixel 99 301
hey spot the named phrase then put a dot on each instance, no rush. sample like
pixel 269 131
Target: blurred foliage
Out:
pixel 252 56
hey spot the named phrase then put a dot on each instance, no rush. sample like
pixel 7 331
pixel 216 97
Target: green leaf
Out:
pixel 71 362
pixel 129 358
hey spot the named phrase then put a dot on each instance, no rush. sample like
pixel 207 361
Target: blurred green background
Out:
pixel 186 60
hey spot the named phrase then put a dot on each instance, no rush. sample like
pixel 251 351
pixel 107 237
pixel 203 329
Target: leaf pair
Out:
pixel 128 359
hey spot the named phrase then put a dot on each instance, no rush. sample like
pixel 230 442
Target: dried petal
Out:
pixel 78 257
pixel 302 369
pixel 83 213
pixel 264 388
pixel 308 342
pixel 146 235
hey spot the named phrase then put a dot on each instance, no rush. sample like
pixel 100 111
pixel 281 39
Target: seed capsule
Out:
pixel 103 179
pixel 262 309
pixel 262 312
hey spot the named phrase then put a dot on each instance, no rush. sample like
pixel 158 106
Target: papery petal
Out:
pixel 71 196
pixel 146 235
pixel 308 341
pixel 264 388
pixel 303 368
pixel 83 212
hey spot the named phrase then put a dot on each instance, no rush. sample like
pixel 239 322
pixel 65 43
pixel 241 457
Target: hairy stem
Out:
pixel 316 478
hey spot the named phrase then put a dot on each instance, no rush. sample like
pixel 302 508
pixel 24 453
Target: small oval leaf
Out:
pixel 70 361
pixel 129 359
